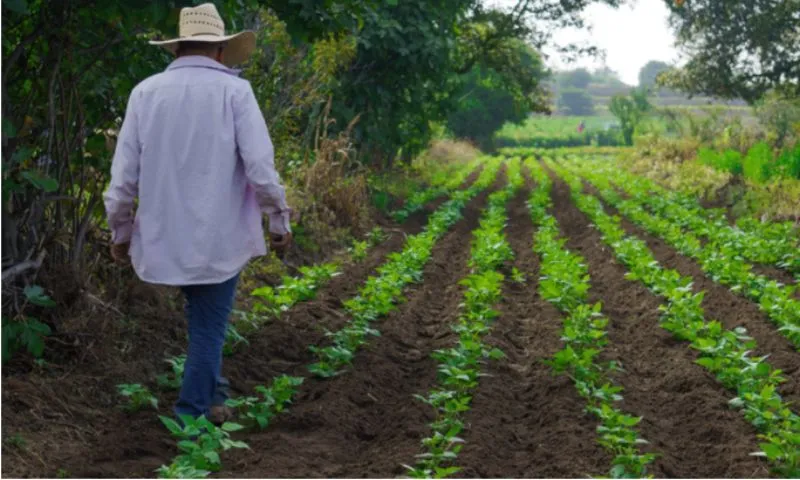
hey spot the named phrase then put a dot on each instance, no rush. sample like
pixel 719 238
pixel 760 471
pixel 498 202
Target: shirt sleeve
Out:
pixel 124 185
pixel 258 155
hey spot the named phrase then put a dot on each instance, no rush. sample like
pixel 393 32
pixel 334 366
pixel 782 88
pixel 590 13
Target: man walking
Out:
pixel 195 150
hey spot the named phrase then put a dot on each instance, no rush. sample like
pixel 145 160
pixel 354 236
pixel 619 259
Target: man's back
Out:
pixel 198 218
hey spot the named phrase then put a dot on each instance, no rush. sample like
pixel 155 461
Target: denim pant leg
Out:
pixel 207 310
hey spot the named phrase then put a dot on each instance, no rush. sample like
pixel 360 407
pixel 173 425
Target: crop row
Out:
pixel 201 442
pixel 380 294
pixel 725 353
pixel 718 259
pixel 564 282
pixel 758 245
pixel 442 182
pixel 459 366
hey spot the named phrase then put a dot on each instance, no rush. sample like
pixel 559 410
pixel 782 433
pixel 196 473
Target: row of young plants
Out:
pixel 443 182
pixel 725 353
pixel 459 366
pixel 718 259
pixel 272 301
pixel 754 245
pixel 381 294
pixel 201 442
pixel 564 282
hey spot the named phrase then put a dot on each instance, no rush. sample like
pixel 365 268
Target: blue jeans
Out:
pixel 207 311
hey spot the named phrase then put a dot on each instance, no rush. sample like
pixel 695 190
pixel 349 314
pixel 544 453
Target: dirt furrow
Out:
pixel 366 421
pixel 525 422
pixel 720 303
pixel 686 415
pixel 119 445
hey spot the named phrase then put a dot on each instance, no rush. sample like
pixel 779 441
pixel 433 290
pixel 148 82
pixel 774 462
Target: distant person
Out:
pixel 581 127
pixel 195 150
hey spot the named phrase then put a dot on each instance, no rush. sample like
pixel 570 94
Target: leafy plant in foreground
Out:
pixel 138 397
pixel 201 443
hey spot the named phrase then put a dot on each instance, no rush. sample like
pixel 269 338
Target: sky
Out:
pixel 630 35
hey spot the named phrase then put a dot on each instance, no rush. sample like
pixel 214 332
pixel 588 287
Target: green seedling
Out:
pixel 138 397
pixel 174 380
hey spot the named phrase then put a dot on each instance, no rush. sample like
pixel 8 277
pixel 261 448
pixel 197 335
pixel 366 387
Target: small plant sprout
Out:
pixel 200 442
pixel 517 276
pixel 376 236
pixel 172 381
pixel 359 250
pixel 138 396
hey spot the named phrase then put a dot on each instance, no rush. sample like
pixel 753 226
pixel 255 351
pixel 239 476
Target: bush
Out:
pixel 728 161
pixel 788 163
pixel 575 102
pixel 756 165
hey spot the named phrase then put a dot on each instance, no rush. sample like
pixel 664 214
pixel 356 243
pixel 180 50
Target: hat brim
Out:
pixel 238 48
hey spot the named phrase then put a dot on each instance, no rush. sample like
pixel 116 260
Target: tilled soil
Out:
pixel 71 422
pixel 526 422
pixel 366 422
pixel 732 310
pixel 686 416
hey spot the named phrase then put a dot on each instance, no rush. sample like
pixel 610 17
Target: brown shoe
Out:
pixel 219 414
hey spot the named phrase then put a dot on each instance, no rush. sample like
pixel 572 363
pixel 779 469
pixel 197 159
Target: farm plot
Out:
pixel 524 332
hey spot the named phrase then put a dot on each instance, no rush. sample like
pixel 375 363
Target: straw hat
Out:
pixel 203 24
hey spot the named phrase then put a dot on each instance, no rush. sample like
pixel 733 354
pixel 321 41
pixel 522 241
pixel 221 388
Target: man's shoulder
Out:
pixel 177 77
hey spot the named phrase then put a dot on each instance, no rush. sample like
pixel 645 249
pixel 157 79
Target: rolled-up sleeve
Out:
pixel 124 185
pixel 258 155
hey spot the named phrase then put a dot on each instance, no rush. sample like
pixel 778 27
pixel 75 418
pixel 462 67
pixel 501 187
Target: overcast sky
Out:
pixel 631 36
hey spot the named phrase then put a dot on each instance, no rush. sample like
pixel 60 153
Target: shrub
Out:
pixel 756 165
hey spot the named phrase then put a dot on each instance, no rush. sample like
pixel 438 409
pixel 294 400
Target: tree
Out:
pixel 502 89
pixel 630 111
pixel 650 71
pixel 579 78
pixel 573 101
pixel 737 49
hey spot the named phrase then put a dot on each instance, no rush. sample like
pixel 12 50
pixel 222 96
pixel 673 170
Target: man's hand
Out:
pixel 119 252
pixel 280 243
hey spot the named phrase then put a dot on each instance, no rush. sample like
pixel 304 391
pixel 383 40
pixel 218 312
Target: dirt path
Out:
pixel 525 422
pixel 686 416
pixel 366 421
pixel 720 303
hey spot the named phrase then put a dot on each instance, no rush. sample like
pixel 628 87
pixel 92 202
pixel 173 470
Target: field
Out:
pixel 529 315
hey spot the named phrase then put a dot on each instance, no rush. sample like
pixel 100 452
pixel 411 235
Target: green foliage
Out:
pixel 737 49
pixel 725 353
pixel 506 90
pixel 728 161
pixel 578 79
pixel 272 401
pixel 200 442
pixel 172 381
pixel 650 71
pixel 459 366
pixel 756 164
pixel 28 332
pixel 564 282
pixel 380 294
pixel 573 101
pixel 630 112
pixel 138 397
pixel 559 131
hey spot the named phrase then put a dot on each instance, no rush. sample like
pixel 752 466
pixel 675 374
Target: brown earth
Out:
pixel 524 421
pixel 686 416
pixel 721 304
pixel 68 415
pixel 365 422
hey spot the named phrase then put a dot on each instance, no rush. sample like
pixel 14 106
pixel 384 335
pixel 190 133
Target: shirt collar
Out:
pixel 199 61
